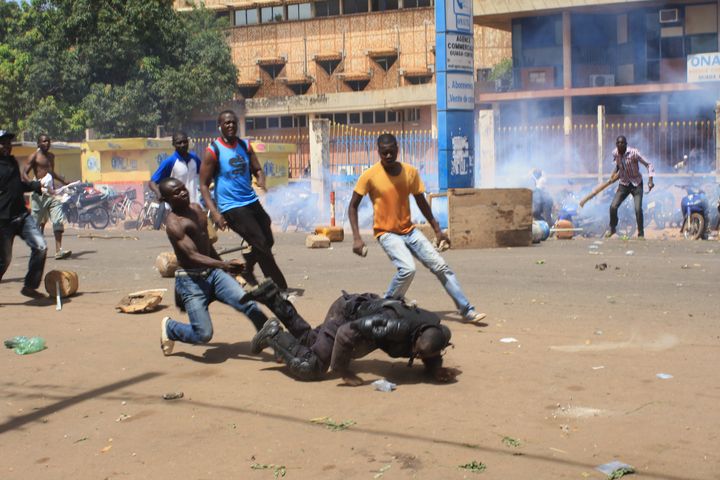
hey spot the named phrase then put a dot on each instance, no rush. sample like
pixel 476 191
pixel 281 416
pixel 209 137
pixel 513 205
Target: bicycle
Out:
pixel 125 207
pixel 148 211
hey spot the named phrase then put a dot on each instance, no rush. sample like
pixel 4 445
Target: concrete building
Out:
pixel 364 63
pixel 630 57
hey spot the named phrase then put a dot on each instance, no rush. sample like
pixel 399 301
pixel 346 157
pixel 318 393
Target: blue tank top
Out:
pixel 233 180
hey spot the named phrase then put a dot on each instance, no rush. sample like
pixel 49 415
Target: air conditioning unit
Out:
pixel 603 80
pixel 669 15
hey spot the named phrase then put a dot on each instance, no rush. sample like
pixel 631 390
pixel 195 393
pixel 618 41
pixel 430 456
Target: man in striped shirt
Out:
pixel 627 168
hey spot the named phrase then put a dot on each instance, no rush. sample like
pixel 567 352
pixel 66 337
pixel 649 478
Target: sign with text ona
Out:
pixel 703 67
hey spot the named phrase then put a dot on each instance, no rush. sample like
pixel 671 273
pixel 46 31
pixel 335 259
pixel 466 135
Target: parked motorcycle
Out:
pixel 694 208
pixel 82 204
pixel 658 207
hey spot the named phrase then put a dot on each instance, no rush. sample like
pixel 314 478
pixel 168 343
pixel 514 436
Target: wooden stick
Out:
pixel 58 300
pixel 599 189
pixel 107 237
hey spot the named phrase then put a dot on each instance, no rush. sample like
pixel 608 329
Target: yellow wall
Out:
pixel 67 159
pixel 127 160
pixel 274 159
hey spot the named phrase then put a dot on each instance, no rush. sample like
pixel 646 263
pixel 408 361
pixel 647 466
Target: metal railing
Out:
pixel 353 150
pixel 522 147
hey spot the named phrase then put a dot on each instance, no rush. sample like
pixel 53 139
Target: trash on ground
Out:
pixel 593 247
pixel 278 470
pixel 173 395
pixel 664 376
pixel 106 449
pixel 382 471
pixel 597 242
pixel 540 262
pixel 630 252
pixel 685 267
pixel 123 417
pixel 474 467
pixel 508 340
pixel 383 385
pixel 333 425
pixel 615 469
pixel 599 367
pixel 601 266
pixel 141 302
pixel 25 345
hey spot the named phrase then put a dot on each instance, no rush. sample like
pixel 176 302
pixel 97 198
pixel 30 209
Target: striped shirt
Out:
pixel 628 166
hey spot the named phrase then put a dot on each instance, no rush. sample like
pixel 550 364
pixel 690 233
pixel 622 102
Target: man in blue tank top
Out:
pixel 230 162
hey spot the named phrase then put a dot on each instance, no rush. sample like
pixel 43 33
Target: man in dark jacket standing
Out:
pixel 15 220
pixel 355 325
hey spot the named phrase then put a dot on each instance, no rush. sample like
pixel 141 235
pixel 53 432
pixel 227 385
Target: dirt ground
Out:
pixel 578 389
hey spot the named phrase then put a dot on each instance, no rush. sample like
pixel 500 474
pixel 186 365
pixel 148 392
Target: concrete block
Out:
pixel 317 241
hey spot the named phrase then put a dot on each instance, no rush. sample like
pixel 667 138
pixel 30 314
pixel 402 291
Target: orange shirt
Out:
pixel 390 197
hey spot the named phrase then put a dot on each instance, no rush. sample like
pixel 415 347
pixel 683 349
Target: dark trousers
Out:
pixel 622 193
pixel 25 227
pixel 252 223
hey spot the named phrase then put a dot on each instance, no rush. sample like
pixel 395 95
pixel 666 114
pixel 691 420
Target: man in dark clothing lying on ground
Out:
pixel 355 325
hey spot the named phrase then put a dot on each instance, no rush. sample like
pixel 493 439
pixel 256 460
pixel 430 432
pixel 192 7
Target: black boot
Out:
pixel 300 360
pixel 269 294
pixel 261 339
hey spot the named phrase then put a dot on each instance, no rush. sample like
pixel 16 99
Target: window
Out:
pixel 705 43
pixel 383 5
pixel 260 123
pixel 672 47
pixel 340 118
pixel 354 6
pixel 417 3
pixel 300 121
pixel 367 117
pixel 354 118
pixel 249 124
pixel 272 14
pixel 391 116
pixel 380 117
pixel 246 17
pixel 326 116
pixel 327 8
pixel 299 11
pixel 286 122
pixel 273 122
pixel 412 115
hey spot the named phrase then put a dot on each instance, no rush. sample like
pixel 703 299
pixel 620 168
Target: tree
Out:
pixel 118 66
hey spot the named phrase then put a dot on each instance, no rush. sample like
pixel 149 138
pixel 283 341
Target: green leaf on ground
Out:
pixel 333 425
pixel 621 472
pixel 474 467
pixel 278 470
pixel 510 442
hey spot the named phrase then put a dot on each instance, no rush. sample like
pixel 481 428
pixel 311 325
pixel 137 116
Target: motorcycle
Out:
pixel 694 208
pixel 658 208
pixel 82 204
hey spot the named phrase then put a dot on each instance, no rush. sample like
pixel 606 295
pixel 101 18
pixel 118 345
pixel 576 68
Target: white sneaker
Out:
pixel 474 317
pixel 166 344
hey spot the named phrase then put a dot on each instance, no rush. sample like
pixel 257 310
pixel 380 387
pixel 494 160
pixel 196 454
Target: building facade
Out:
pixel 630 57
pixel 368 64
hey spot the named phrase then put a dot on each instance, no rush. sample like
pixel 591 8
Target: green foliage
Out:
pixel 501 70
pixel 474 467
pixel 118 66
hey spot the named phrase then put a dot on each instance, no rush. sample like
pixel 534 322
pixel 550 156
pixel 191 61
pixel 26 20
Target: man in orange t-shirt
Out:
pixel 390 184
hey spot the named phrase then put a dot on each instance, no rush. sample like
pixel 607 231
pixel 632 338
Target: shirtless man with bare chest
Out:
pixel 45 205
pixel 202 276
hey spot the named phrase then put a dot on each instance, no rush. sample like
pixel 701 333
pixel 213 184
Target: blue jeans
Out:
pixel 402 248
pixel 25 227
pixel 196 289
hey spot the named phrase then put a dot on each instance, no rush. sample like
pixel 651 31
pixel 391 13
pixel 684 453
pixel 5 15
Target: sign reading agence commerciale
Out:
pixel 459 52
pixel 703 67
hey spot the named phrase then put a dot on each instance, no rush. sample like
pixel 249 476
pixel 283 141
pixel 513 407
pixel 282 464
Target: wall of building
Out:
pixel 410 31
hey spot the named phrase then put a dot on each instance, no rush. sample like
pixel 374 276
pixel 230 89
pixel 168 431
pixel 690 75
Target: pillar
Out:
pixel 600 141
pixel 319 138
pixel 485 178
